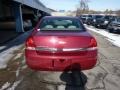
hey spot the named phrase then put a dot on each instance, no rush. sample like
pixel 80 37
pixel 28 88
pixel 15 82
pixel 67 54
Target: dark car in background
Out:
pixel 86 18
pixel 94 19
pixel 83 18
pixel 59 42
pixel 89 19
pixel 114 26
pixel 103 21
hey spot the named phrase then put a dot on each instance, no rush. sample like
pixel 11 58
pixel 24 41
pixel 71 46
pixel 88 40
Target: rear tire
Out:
pixel 111 30
pixel 96 26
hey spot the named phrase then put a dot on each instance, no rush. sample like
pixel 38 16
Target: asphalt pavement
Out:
pixel 104 76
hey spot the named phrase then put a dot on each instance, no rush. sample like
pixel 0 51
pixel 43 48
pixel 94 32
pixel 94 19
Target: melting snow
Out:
pixel 15 84
pixel 114 38
pixel 6 85
pixel 18 56
pixel 6 55
pixel 12 46
pixel 17 72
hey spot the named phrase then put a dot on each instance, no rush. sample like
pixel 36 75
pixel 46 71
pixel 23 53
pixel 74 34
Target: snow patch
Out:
pixel 12 46
pixel 17 72
pixel 2 47
pixel 6 85
pixel 18 56
pixel 24 67
pixel 113 38
pixel 15 84
pixel 5 56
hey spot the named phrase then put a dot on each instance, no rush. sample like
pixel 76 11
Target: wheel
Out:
pixel 96 26
pixel 107 29
pixel 111 30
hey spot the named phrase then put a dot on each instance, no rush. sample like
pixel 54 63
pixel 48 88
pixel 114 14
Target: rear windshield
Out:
pixel 61 24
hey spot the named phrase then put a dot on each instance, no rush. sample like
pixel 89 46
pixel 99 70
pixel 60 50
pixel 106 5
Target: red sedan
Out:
pixel 58 42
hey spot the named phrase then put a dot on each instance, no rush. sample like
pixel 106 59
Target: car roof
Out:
pixel 62 17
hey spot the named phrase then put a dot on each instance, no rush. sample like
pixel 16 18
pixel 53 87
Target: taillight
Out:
pixel 30 44
pixel 92 45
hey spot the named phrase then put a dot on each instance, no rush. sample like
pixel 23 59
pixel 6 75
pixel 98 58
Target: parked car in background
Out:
pixel 104 21
pixel 89 19
pixel 114 26
pixel 86 18
pixel 59 42
pixel 83 18
pixel 94 19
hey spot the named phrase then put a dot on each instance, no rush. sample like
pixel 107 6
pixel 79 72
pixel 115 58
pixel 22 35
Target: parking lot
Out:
pixel 104 76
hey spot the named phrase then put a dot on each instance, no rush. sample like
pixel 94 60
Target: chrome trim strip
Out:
pixel 46 49
pixel 80 49
pixel 64 49
pixel 30 48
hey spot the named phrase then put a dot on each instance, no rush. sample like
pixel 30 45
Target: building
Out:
pixel 21 10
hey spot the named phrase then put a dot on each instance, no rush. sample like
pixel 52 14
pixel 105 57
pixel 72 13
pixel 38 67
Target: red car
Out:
pixel 58 42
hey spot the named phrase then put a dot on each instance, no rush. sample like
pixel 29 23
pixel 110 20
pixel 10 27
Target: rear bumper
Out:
pixel 116 28
pixel 59 63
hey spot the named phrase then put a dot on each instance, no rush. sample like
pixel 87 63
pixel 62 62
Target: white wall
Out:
pixel 63 14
